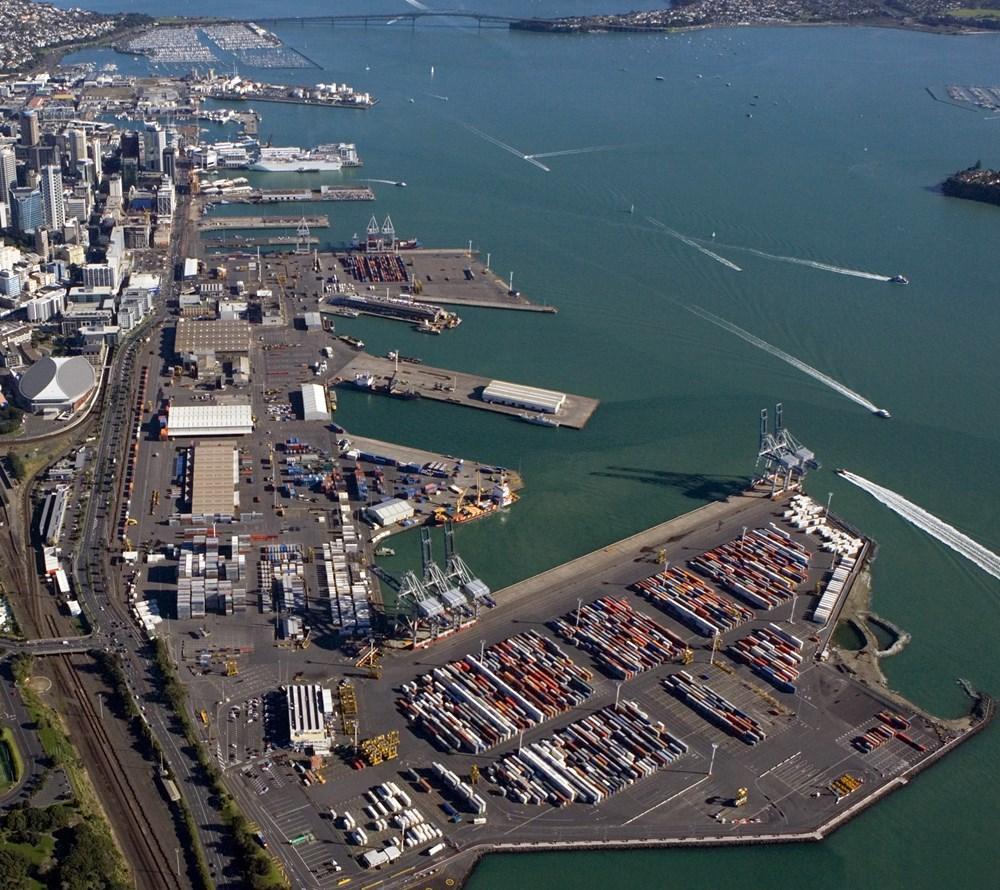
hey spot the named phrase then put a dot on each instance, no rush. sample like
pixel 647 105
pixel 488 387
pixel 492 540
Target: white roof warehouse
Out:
pixel 197 421
pixel 308 706
pixel 530 397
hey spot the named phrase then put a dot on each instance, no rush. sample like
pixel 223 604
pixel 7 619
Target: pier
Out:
pixel 216 242
pixel 263 222
pixel 287 196
pixel 456 388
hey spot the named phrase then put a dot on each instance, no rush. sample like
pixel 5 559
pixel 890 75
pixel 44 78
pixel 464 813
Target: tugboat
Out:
pixel 899 279
pixel 881 412
pixel 364 381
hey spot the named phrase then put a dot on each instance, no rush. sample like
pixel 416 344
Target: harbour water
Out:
pixel 837 166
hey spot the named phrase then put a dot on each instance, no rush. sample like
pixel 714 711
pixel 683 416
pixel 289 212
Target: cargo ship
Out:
pixel 291 159
pixel 500 497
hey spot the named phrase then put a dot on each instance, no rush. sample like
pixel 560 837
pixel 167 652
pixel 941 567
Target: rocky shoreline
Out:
pixel 974 184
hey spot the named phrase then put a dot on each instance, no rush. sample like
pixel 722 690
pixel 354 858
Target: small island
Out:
pixel 974 184
pixel 682 14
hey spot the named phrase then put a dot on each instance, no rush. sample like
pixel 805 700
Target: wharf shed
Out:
pixel 532 398
pixel 389 512
pixel 197 421
pixel 308 706
pixel 314 406
pixel 215 474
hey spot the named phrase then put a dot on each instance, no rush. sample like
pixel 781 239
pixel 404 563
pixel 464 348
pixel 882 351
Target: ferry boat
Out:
pixel 899 279
pixel 291 159
pixel 881 412
pixel 539 419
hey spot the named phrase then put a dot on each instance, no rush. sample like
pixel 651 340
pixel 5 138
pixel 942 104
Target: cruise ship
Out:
pixel 291 159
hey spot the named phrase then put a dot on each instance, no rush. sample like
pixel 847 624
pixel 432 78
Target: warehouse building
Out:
pixel 309 706
pixel 214 482
pixel 50 523
pixel 206 344
pixel 389 512
pixel 57 384
pixel 545 401
pixel 197 421
pixel 314 405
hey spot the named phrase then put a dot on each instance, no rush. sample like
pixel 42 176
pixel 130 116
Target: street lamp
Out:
pixel 711 763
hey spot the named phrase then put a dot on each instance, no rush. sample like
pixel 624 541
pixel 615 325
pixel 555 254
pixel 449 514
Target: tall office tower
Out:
pixel 8 172
pixel 154 141
pixel 77 140
pixel 30 129
pixel 53 209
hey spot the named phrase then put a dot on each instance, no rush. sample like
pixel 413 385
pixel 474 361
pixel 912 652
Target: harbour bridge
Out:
pixel 365 19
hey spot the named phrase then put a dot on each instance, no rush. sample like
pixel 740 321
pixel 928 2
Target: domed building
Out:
pixel 56 384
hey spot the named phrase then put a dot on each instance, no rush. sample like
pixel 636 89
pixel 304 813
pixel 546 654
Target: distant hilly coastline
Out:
pixel 943 15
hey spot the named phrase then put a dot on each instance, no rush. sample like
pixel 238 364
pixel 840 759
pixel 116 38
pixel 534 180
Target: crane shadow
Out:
pixel 697 486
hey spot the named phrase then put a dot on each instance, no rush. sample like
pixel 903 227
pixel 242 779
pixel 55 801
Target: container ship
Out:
pixel 291 159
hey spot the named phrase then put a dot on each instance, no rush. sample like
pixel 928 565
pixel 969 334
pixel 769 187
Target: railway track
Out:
pixel 150 862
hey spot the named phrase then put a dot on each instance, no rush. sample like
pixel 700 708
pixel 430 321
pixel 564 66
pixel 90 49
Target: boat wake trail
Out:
pixel 571 151
pixel 816 374
pixel 690 242
pixel 506 147
pixel 798 261
pixel 987 560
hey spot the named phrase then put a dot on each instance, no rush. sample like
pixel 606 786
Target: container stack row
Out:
pixel 462 789
pixel 763 567
pixel 692 602
pixel 773 654
pixel 623 641
pixel 479 702
pixel 704 700
pixel 828 600
pixel 588 761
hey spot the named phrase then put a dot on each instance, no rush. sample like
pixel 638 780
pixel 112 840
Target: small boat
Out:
pixel 539 419
pixel 352 341
pixel 385 551
pixel 899 279
pixel 881 412
pixel 659 77
pixel 401 184
pixel 364 381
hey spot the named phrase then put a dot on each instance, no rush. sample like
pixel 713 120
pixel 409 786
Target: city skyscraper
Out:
pixel 25 210
pixel 154 141
pixel 77 142
pixel 30 129
pixel 53 209
pixel 8 172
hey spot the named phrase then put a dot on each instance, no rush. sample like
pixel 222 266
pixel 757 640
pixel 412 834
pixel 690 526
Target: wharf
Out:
pixel 286 196
pixel 217 242
pixel 216 223
pixel 291 100
pixel 456 387
pixel 444 276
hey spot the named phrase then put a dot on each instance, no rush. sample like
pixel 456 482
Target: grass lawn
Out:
pixel 974 13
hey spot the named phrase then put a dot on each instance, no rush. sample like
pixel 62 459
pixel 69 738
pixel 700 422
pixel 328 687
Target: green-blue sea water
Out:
pixel 838 164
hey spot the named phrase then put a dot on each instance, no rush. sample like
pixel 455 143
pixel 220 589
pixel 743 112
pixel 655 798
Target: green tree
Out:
pixel 13 869
pixel 17 465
